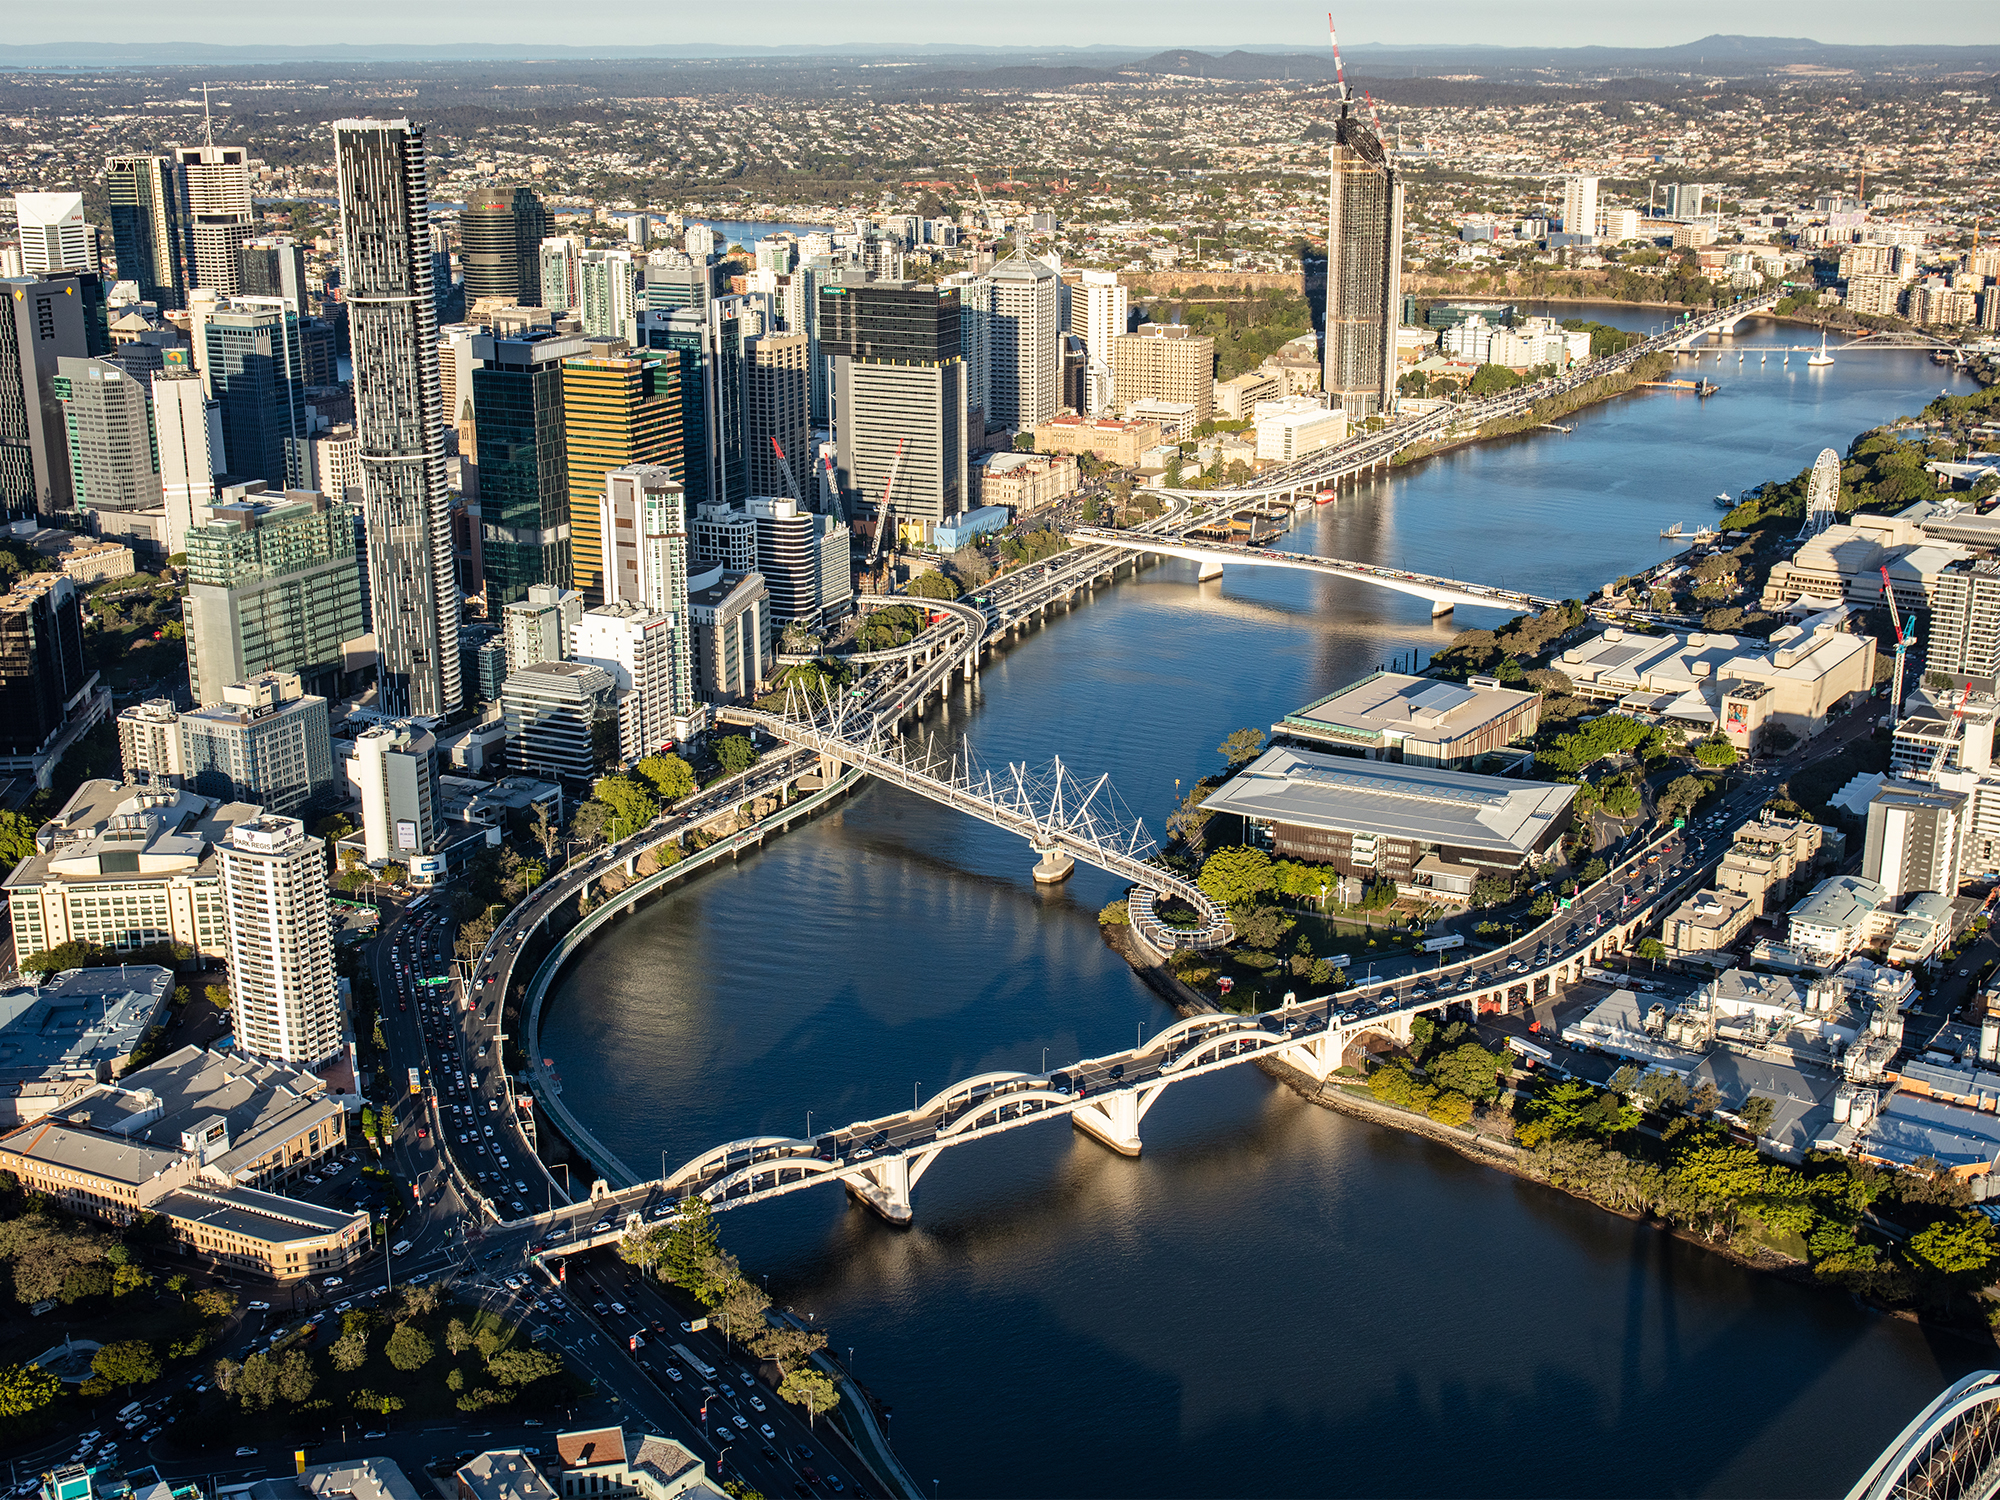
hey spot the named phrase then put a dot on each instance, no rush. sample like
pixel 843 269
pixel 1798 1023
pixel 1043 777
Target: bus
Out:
pixel 416 1082
pixel 1531 1056
pixel 688 1357
pixel 416 905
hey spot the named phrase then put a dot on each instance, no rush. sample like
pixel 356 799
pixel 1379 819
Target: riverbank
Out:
pixel 1648 368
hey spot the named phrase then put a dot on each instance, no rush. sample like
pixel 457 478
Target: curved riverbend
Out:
pixel 1272 1299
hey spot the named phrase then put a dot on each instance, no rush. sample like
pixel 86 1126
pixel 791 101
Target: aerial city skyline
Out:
pixel 598 647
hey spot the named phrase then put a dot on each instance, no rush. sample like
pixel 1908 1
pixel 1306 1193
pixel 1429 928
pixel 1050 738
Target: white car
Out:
pixel 673 1375
pixel 765 1428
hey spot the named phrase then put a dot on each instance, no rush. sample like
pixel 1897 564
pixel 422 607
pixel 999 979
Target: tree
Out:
pixel 377 1402
pixel 457 1337
pixel 1242 746
pixel 71 955
pixel 296 1378
pixel 420 1301
pixel 1652 949
pixel 735 754
pixel 632 806
pixel 1680 796
pixel 1960 1246
pixel 691 1244
pixel 256 1382
pixel 1470 1070
pixel 408 1349
pixel 522 1366
pixel 350 1350
pixel 1260 926
pixel 787 1346
pixel 1492 890
pixel 218 996
pixel 932 585
pixel 1756 1114
pixel 17 838
pixel 672 777
pixel 810 1389
pixel 25 1389
pixel 1235 874
pixel 1715 751
pixel 742 1308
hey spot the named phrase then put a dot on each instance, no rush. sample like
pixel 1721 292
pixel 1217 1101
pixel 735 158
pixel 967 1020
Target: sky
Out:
pixel 1145 23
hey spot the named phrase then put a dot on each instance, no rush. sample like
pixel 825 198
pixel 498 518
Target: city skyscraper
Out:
pixel 1099 314
pixel 219 216
pixel 273 266
pixel 617 411
pixel 776 405
pixel 517 390
pixel 1025 386
pixel 109 421
pixel 608 294
pixel 146 228
pixel 284 994
pixel 1364 272
pixel 398 410
pixel 560 261
pixel 500 234
pixel 55 236
pixel 187 434
pixel 1580 205
pixel 258 380
pixel 42 322
pixel 709 344
pixel 645 526
pixel 898 385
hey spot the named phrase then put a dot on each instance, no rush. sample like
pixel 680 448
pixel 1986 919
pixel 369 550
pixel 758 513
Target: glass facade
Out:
pixel 616 413
pixel 517 388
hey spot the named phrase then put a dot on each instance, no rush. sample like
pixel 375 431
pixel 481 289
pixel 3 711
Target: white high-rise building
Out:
pixel 541 627
pixel 639 648
pixel 187 431
pixel 975 341
pixel 608 290
pixel 1026 386
pixel 285 997
pixel 1098 312
pixel 215 193
pixel 1580 205
pixel 699 241
pixel 55 236
pixel 394 771
pixel 561 289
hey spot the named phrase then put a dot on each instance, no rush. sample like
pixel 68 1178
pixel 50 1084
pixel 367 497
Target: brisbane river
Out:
pixel 1272 1299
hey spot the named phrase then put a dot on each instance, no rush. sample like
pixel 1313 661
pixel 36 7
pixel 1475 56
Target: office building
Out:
pixel 149 743
pixel 1916 834
pixel 284 995
pixel 792 560
pixel 708 345
pixel 55 236
pixel 646 550
pixel 1165 362
pixel 732 635
pixel 608 293
pixel 777 415
pixel 187 436
pixel 59 1037
pixel 517 392
pixel 273 586
pixel 258 380
pixel 1026 349
pixel 552 710
pixel 1580 206
pixel 1099 313
pixel 1016 483
pixel 125 867
pixel 219 215
pixel 1116 442
pixel 1417 721
pixel 652 669
pixel 723 537
pixel 387 283
pixel 1965 622
pixel 268 741
pixel 898 387
pixel 500 234
pixel 1684 200
pixel 975 345
pixel 675 279
pixel 146 227
pixel 1294 426
pixel 274 267
pixel 109 421
pixel 1415 825
pixel 542 626
pixel 393 769
pixel 42 323
pixel 585 1462
pixel 1364 272
pixel 336 462
pixel 618 412
pixel 48 693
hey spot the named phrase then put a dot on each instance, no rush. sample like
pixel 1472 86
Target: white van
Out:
pixel 401 1247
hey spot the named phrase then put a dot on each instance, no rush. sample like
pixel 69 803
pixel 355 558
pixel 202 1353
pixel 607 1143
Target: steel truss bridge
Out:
pixel 1062 817
pixel 1950 1450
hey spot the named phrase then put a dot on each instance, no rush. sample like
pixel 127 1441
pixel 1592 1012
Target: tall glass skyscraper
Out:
pixel 500 234
pixel 399 410
pixel 517 388
pixel 1364 272
pixel 146 226
pixel 617 412
pixel 258 381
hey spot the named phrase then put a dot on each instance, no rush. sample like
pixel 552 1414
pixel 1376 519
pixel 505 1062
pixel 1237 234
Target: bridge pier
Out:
pixel 1209 569
pixel 885 1187
pixel 1052 866
pixel 1441 608
pixel 1115 1122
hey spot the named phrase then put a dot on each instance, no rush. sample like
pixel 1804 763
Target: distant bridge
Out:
pixel 1444 594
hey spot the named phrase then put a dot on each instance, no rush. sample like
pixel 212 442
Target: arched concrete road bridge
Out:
pixel 1444 594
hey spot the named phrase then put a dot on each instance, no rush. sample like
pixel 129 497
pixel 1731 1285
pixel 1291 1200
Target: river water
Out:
pixel 1272 1300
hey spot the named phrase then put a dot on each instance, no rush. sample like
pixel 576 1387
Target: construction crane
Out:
pixel 985 213
pixel 1951 733
pixel 833 488
pixel 885 518
pixel 1903 643
pixel 785 468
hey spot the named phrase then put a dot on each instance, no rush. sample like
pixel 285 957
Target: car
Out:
pixel 833 1483
pixel 602 1226
pixel 333 1281
pixel 802 1453
pixel 600 1309
pixel 258 1306
pixel 747 1381
pixel 674 1375
pixel 513 1283
pixel 619 1308
pixel 369 1437
pixel 754 1401
pixel 765 1428
pixel 742 1422
pixel 343 1307
pixel 246 1452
